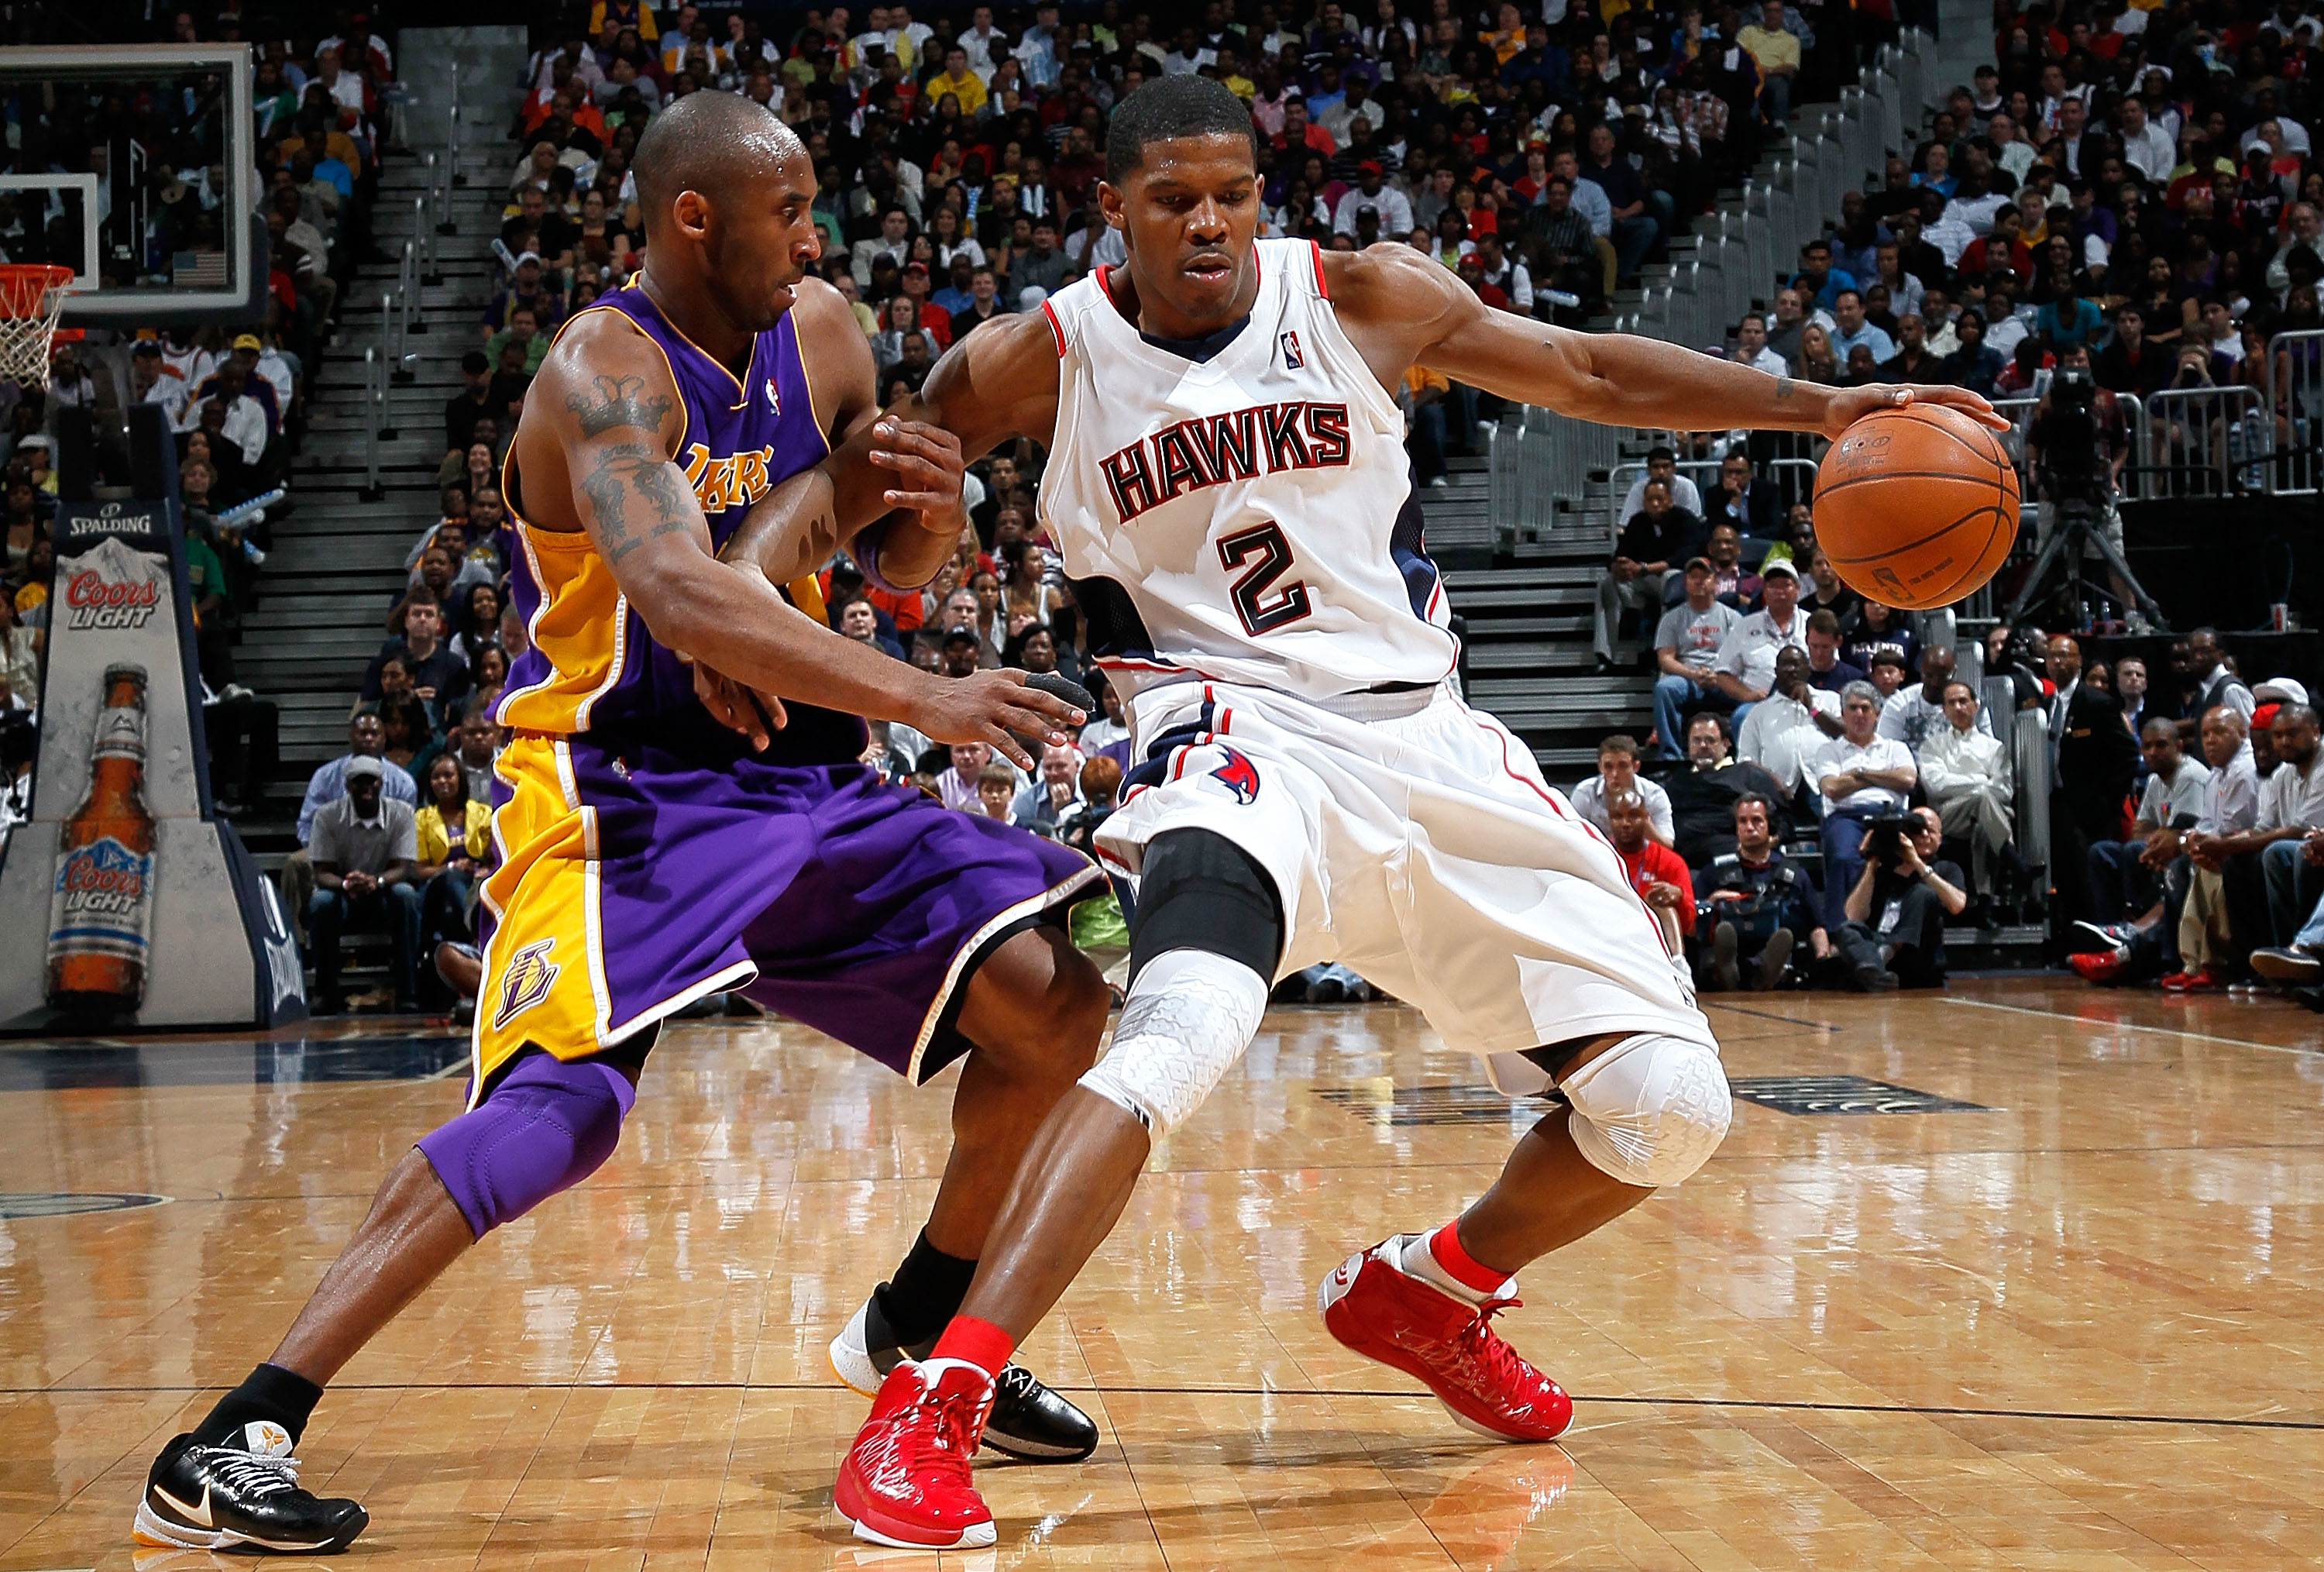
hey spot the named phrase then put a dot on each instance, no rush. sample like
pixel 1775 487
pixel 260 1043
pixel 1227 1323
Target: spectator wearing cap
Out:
pixel 935 321
pixel 151 380
pixel 362 849
pixel 1744 670
pixel 1393 207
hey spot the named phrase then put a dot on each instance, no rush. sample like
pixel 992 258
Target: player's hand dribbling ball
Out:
pixel 1916 506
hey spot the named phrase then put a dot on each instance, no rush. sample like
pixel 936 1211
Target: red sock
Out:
pixel 1445 1244
pixel 979 1342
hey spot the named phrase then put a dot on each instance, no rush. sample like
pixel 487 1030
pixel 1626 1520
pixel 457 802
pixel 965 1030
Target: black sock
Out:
pixel 267 1393
pixel 924 1294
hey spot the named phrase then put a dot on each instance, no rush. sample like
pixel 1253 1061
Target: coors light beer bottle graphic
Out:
pixel 101 912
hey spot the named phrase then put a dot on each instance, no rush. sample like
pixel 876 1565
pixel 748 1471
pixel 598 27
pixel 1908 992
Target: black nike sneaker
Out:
pixel 1028 1421
pixel 238 1496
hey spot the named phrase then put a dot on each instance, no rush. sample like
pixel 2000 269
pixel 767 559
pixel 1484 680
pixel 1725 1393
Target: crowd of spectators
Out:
pixel 2181 826
pixel 235 400
pixel 1545 152
pixel 2129 195
pixel 2132 195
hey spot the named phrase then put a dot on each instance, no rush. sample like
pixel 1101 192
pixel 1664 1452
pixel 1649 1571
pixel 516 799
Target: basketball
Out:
pixel 1916 506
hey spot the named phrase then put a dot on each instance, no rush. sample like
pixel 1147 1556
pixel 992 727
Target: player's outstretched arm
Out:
pixel 612 409
pixel 1399 298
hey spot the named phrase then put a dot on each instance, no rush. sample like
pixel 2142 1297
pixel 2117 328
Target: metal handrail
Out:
pixel 373 400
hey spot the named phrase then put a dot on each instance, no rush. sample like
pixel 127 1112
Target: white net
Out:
pixel 32 295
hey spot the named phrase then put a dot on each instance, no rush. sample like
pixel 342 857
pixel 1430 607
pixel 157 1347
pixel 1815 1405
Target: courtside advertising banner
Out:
pixel 124 904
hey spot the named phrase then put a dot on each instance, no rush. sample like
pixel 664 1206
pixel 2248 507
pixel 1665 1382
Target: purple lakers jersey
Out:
pixel 592 665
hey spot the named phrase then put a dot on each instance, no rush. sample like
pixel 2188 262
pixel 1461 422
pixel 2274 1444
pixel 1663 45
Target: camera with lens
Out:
pixel 1889 833
pixel 2074 466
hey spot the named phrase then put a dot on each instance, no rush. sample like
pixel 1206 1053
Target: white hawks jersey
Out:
pixel 1248 516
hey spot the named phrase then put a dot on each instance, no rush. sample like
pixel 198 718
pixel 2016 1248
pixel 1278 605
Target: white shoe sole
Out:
pixel 2286 968
pixel 152 1529
pixel 972 1539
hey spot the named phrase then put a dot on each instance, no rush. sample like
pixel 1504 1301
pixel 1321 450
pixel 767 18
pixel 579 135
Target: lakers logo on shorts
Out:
pixel 526 983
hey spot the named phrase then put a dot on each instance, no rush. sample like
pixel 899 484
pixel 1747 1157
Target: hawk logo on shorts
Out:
pixel 530 973
pixel 1240 774
pixel 1292 359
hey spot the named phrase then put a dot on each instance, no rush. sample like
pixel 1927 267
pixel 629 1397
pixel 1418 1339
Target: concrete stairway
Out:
pixel 337 565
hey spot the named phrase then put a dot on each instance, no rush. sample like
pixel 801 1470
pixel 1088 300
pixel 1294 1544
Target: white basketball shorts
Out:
pixel 1412 840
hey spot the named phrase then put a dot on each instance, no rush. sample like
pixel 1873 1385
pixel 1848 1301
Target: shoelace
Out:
pixel 246 1471
pixel 1480 1344
pixel 1014 1382
pixel 944 1441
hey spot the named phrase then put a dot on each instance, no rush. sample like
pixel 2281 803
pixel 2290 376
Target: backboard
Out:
pixel 135 168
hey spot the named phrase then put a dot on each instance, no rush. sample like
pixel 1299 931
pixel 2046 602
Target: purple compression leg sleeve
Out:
pixel 544 1128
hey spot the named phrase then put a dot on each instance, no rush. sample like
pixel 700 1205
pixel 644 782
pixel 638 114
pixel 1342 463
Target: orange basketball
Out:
pixel 1916 506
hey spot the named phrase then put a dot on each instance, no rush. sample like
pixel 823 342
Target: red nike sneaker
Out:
pixel 2100 967
pixel 905 1482
pixel 1373 1306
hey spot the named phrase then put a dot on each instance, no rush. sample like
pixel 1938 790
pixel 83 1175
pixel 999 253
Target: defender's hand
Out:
pixel 994 708
pixel 1852 404
pixel 757 716
pixel 928 469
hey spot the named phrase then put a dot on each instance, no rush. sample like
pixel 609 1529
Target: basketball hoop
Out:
pixel 31 295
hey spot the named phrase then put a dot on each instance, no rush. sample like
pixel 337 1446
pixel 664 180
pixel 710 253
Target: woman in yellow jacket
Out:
pixel 454 831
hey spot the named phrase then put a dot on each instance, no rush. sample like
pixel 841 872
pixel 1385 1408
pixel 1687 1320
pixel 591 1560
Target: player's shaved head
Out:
pixel 717 144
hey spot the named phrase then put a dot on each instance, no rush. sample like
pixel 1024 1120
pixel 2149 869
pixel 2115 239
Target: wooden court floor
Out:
pixel 2072 1321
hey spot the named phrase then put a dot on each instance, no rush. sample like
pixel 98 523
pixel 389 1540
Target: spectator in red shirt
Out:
pixel 934 320
pixel 1656 871
pixel 2005 240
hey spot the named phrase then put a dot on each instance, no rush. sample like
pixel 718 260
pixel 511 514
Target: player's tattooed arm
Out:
pixel 637 496
pixel 618 401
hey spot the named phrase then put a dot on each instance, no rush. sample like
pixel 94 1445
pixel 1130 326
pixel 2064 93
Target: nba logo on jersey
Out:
pixel 774 398
pixel 530 973
pixel 1292 359
pixel 1240 775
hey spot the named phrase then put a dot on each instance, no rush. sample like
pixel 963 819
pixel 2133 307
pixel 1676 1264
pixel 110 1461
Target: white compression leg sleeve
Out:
pixel 1650 1110
pixel 1189 1016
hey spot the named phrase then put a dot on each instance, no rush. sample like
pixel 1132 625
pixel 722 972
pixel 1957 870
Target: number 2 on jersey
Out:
pixel 1262 613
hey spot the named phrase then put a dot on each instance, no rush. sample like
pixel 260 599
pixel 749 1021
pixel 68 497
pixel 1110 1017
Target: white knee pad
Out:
pixel 1650 1110
pixel 1189 1016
